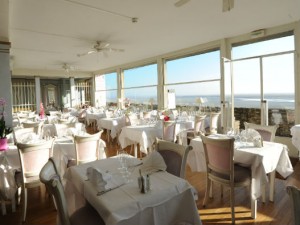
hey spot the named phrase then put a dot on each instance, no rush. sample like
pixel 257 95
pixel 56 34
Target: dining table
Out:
pixel 144 135
pixel 268 159
pixel 63 150
pixel 113 125
pixel 169 201
pixel 93 117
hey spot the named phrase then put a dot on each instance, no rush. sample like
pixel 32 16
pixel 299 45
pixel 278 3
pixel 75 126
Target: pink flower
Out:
pixel 2 102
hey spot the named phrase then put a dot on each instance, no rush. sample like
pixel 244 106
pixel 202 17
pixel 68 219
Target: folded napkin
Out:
pixel 103 181
pixel 250 134
pixel 30 138
pixel 153 162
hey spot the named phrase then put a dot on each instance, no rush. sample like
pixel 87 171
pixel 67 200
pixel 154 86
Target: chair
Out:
pixel 174 155
pixel 87 148
pixel 20 133
pixel 213 122
pixel 131 120
pixel 294 194
pixel 32 158
pixel 52 119
pixel 169 131
pixel 198 127
pixel 36 125
pixel 267 132
pixel 87 215
pixel 61 129
pixel 221 168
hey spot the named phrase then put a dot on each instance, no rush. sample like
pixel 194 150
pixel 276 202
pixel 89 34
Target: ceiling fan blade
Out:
pixel 91 52
pixel 181 2
pixel 228 5
pixel 86 53
pixel 116 50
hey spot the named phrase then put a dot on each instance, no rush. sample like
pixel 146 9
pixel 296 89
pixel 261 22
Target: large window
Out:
pixel 106 89
pixel 263 72
pixel 193 77
pixel 23 95
pixel 83 92
pixel 140 85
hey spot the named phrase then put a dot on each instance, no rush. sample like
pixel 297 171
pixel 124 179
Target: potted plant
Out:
pixel 4 130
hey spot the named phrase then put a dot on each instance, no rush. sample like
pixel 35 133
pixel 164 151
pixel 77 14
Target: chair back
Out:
pixel 36 125
pixel 266 132
pixel 87 147
pixel 199 124
pixel 20 133
pixel 146 115
pixel 61 129
pixel 50 177
pixel 131 119
pixel 174 155
pixel 294 194
pixel 52 119
pixel 214 116
pixel 33 157
pixel 169 131
pixel 219 157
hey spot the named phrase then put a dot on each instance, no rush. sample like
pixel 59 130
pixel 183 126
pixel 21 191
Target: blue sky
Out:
pixel 278 71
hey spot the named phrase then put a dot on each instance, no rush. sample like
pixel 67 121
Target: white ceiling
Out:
pixel 45 34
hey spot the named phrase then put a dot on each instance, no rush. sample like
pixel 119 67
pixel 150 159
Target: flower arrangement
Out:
pixel 42 111
pixel 4 131
pixel 166 115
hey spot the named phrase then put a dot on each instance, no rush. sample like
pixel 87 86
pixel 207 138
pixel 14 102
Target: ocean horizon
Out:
pixel 275 101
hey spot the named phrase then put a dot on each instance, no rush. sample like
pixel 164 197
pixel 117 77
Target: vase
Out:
pixel 3 144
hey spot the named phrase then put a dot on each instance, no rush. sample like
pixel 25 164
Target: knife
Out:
pixel 110 189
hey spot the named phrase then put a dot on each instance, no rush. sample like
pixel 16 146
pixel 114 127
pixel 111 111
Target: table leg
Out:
pixel 272 185
pixel 253 208
pixel 135 150
pixel 263 193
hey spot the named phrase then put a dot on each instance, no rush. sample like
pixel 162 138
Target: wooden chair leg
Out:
pixel 3 207
pixel 24 204
pixel 207 191
pixel 232 204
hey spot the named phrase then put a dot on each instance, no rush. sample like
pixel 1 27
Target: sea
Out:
pixel 274 101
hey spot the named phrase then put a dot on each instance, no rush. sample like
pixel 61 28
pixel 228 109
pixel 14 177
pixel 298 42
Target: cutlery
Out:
pixel 110 189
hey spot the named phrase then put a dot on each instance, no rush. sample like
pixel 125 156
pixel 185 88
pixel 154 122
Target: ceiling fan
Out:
pixel 101 47
pixel 66 67
pixel 227 4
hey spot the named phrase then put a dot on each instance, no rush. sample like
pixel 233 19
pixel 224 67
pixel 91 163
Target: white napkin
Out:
pixel 98 178
pixel 103 181
pixel 250 134
pixel 153 162
pixel 30 138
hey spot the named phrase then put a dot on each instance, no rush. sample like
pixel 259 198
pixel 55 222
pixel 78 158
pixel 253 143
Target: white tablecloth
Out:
pixel 170 200
pixel 272 156
pixel 114 125
pixel 180 130
pixel 144 135
pixel 63 150
pixel 295 132
pixel 90 117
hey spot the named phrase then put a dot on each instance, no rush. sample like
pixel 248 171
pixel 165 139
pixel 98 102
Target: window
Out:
pixel 265 72
pixel 140 85
pixel 106 89
pixel 23 95
pixel 83 92
pixel 195 76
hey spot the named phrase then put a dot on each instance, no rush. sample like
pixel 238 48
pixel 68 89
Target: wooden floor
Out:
pixel 41 209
